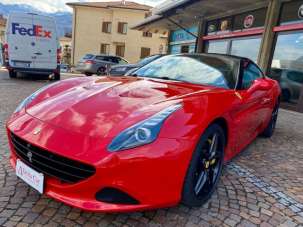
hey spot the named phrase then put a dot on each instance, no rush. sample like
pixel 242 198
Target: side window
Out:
pixel 100 58
pixel 112 59
pixel 121 61
pixel 250 73
pixel 295 76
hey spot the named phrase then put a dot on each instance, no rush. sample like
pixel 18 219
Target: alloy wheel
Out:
pixel 274 117
pixel 209 167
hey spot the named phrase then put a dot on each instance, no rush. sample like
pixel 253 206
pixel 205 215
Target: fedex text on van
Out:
pixel 36 30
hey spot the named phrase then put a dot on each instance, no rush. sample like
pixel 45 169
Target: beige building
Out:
pixel 65 42
pixel 66 46
pixel 2 28
pixel 104 28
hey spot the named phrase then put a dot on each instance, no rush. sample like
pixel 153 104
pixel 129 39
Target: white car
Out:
pixel 31 45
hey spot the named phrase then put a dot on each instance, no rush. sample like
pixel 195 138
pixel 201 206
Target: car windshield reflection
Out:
pixel 209 70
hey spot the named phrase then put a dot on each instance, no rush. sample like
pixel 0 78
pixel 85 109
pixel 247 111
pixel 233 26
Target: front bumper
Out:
pixel 152 174
pixel 33 70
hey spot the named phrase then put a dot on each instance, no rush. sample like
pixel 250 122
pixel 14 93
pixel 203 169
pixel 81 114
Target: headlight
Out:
pixel 30 98
pixel 143 132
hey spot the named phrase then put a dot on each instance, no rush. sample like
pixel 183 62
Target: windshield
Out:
pixel 88 56
pixel 197 69
pixel 149 59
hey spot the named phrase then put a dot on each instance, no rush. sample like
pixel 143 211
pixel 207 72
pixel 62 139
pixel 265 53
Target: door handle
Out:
pixel 38 53
pixel 265 101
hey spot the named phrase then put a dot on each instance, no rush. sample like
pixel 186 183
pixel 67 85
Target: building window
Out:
pixel 287 67
pixel 148 14
pixel 145 52
pixel 122 28
pixel 248 47
pixel 218 47
pixel 185 49
pixel 107 27
pixel 104 48
pixel 243 47
pixel 147 34
pixel 120 50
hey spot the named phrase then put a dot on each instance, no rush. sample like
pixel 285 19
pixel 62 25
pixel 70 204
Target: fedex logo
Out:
pixel 36 30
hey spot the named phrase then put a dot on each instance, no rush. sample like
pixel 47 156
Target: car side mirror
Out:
pixel 259 85
pixel 264 86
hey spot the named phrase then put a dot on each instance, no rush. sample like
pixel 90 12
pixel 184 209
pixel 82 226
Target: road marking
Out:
pixel 280 196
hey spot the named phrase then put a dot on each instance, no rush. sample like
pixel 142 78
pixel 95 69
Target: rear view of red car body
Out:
pixel 72 130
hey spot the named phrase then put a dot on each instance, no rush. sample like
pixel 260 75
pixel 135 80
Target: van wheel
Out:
pixel 12 74
pixel 57 76
pixel 88 74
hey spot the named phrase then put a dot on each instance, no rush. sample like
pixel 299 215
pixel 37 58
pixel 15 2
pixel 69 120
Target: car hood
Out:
pixel 96 106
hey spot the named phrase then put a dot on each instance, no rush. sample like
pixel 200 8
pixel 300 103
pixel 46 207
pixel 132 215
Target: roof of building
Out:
pixel 114 4
pixel 2 21
pixel 189 12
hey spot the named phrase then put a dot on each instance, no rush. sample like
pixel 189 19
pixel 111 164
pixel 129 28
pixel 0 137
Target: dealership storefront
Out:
pixel 236 35
pixel 270 32
pixel 287 61
pixel 241 35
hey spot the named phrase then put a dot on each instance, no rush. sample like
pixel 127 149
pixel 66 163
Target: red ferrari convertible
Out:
pixel 148 140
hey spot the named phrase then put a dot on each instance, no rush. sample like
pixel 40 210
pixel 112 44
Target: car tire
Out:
pixel 203 172
pixel 12 74
pixel 101 71
pixel 88 74
pixel 270 128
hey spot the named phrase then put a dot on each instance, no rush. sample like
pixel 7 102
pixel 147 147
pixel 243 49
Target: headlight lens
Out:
pixel 30 98
pixel 143 132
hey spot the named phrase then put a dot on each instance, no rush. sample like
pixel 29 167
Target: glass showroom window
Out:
pixel 219 47
pixel 248 48
pixel 243 47
pixel 287 65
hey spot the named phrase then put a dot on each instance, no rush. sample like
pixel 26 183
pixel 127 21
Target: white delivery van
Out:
pixel 32 45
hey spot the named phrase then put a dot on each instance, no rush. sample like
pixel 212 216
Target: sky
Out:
pixel 52 6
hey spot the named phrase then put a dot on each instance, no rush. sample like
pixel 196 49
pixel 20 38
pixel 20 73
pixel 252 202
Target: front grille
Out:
pixel 51 164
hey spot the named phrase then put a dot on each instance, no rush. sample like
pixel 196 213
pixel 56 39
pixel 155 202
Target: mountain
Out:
pixel 63 19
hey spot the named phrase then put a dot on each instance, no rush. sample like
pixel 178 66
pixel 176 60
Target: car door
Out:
pixel 45 46
pixel 255 105
pixel 20 40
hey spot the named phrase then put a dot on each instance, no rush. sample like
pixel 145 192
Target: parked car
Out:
pixel 120 70
pixel 145 141
pixel 64 68
pixel 98 64
pixel 290 81
pixel 31 45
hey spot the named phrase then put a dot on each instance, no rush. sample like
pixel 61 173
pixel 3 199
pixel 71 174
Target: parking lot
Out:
pixel 263 186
